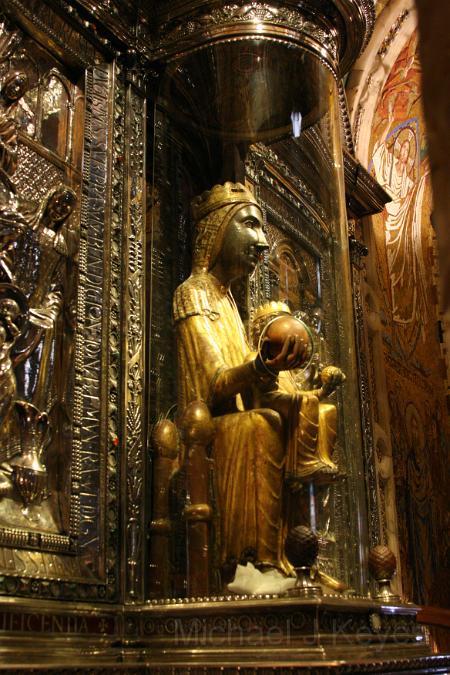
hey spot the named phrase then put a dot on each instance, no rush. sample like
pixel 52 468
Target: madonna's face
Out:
pixel 243 243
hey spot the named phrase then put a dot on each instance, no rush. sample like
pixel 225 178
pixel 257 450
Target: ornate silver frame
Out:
pixel 108 429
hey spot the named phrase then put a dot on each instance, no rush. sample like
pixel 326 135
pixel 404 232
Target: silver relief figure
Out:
pixel 36 243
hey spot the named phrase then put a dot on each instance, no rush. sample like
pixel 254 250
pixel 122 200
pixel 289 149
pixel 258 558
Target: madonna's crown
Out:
pixel 218 196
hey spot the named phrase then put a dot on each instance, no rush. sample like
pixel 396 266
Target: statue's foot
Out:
pixel 330 582
pixel 319 473
pixel 325 473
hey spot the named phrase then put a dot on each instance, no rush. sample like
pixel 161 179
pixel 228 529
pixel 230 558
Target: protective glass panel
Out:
pixel 255 431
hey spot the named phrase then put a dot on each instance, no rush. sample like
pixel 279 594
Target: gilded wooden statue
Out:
pixel 258 421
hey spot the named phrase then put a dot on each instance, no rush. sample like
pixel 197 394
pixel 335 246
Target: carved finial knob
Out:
pixel 197 426
pixel 382 563
pixel 165 439
pixel 301 546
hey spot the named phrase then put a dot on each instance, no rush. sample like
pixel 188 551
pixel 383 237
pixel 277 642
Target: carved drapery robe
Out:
pixel 249 446
pixel 263 434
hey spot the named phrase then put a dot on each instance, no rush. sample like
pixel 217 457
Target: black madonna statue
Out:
pixel 258 422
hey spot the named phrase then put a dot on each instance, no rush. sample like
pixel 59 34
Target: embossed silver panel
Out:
pixel 61 541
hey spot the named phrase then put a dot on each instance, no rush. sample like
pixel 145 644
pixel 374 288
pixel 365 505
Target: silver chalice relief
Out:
pixel 29 474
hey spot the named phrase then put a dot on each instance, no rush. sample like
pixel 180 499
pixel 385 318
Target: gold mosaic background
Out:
pixel 414 367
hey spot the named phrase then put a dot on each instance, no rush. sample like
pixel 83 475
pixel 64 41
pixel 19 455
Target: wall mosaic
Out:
pixel 403 257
